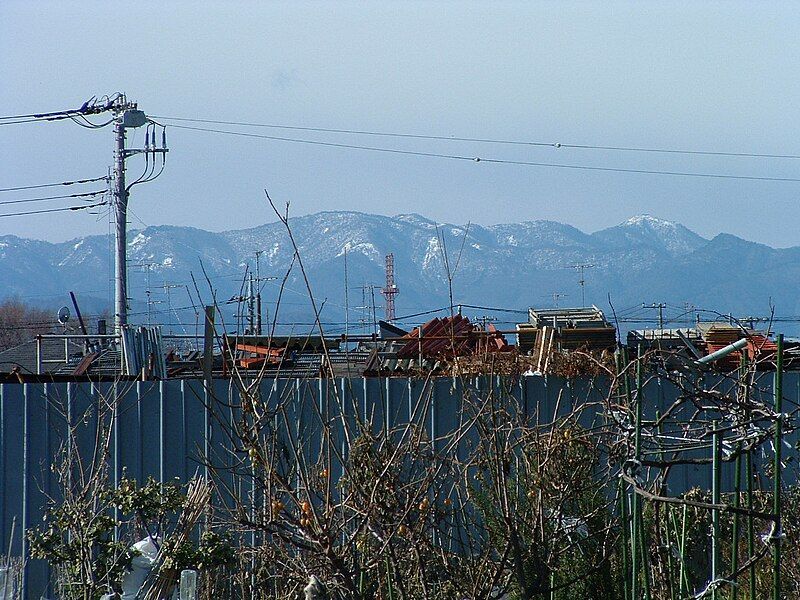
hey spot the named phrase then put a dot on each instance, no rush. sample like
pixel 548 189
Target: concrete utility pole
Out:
pixel 127 116
pixel 258 292
pixel 660 306
pixel 251 307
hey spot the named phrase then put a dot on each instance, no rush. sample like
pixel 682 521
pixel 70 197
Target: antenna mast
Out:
pixel 582 280
pixel 391 290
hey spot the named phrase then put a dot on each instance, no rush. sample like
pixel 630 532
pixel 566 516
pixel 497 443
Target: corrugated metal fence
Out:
pixel 162 428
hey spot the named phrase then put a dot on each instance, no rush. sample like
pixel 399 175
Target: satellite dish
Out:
pixel 63 315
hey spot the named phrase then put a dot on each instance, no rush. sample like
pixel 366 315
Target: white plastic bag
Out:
pixel 141 565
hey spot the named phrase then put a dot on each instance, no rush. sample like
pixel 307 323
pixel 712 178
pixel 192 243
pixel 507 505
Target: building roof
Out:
pixel 22 358
pixel 589 316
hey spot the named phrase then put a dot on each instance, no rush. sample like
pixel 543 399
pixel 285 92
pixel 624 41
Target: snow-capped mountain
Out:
pixel 514 266
pixel 644 230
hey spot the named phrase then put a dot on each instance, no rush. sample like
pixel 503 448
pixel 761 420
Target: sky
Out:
pixel 709 76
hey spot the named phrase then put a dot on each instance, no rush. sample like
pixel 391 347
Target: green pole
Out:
pixel 670 560
pixel 683 577
pixel 389 586
pixel 748 471
pixel 776 493
pixel 751 532
pixel 737 488
pixel 668 509
pixel 715 495
pixel 637 446
pixel 737 492
pixel 645 561
pixel 625 524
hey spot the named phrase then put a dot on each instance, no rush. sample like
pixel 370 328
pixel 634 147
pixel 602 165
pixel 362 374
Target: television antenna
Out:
pixel 582 281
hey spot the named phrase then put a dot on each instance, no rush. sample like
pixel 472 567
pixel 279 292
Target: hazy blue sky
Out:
pixel 710 76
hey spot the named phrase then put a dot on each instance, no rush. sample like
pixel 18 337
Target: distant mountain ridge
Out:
pixel 513 265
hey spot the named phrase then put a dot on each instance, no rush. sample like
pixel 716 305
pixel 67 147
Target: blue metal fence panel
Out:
pixel 163 428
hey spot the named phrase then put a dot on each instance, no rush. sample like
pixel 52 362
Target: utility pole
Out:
pixel 256 297
pixel 127 116
pixel 258 294
pixel 252 299
pixel 251 306
pixel 374 317
pixel 346 304
pixel 167 287
pixel 660 306
pixel 689 311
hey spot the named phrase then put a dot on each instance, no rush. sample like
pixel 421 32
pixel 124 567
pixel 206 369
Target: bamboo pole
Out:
pixel 737 488
pixel 645 562
pixel 715 495
pixel 668 508
pixel 638 538
pixel 637 441
pixel 776 492
pixel 748 470
pixel 625 524
pixel 751 533
pixel 683 578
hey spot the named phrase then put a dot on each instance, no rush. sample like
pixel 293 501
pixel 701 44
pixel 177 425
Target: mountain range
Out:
pixel 642 261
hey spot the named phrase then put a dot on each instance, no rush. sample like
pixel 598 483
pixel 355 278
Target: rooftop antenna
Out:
pixel 147 268
pixel 368 306
pixel 582 281
pixel 63 316
pixel 556 296
pixel 167 287
pixel 391 290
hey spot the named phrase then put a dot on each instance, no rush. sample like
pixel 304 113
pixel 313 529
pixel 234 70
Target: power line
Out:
pixel 92 106
pixel 50 210
pixel 493 308
pixel 36 120
pixel 478 159
pixel 45 198
pixel 46 185
pixel 488 140
pixel 44 115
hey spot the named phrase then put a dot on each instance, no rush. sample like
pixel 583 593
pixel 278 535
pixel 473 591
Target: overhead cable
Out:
pixel 36 120
pixel 478 159
pixel 45 115
pixel 92 106
pixel 45 198
pixel 51 210
pixel 46 185
pixel 453 138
